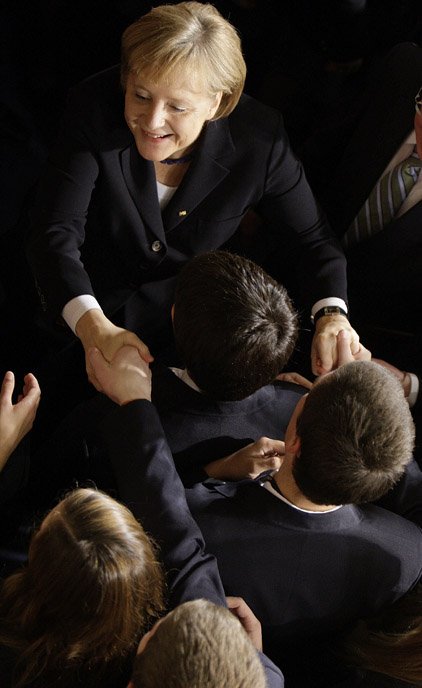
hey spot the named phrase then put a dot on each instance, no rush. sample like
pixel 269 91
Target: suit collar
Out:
pixel 169 393
pixel 268 508
pixel 206 171
pixel 140 180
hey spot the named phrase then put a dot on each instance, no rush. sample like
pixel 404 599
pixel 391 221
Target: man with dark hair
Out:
pixel 308 560
pixel 235 329
pixel 304 549
pixel 234 326
pixel 356 436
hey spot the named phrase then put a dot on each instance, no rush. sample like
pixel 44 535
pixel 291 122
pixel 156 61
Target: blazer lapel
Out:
pixel 140 180
pixel 205 173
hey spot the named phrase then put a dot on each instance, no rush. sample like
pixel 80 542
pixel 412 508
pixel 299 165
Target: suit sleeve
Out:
pixel 275 678
pixel 60 210
pixel 150 486
pixel 289 200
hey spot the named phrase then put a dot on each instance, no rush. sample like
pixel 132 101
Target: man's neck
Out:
pixel 289 489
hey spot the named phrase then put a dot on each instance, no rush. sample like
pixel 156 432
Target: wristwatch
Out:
pixel 328 310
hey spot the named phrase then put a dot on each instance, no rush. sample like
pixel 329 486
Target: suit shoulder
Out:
pixel 252 115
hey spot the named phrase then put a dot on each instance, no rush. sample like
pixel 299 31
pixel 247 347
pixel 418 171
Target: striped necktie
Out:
pixel 384 201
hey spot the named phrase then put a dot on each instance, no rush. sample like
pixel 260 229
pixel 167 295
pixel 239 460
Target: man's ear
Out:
pixel 130 685
pixel 293 446
pixel 172 313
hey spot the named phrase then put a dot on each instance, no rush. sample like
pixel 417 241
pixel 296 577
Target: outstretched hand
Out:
pixel 249 462
pixel 324 352
pixel 95 330
pixel 126 378
pixel 247 618
pixel 16 420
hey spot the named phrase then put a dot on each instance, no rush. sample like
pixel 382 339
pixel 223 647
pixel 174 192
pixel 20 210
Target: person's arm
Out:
pixel 58 218
pixel 147 480
pixel 95 330
pixel 289 201
pixel 16 420
pixel 150 486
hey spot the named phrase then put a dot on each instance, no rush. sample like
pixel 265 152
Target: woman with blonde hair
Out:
pixel 159 160
pixel 92 587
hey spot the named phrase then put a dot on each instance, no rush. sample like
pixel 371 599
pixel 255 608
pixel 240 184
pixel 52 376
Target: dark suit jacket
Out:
pixel 199 429
pixel 305 574
pixel 97 215
pixel 384 271
pixel 150 486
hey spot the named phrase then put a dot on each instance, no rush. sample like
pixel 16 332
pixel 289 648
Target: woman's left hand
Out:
pixel 324 353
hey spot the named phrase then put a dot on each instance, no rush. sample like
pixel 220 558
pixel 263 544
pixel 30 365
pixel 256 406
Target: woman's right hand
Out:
pixel 95 330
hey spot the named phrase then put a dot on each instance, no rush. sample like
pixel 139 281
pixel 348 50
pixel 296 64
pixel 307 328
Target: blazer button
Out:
pixel 156 246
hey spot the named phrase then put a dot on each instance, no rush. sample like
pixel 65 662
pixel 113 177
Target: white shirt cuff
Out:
pixel 414 389
pixel 329 301
pixel 77 307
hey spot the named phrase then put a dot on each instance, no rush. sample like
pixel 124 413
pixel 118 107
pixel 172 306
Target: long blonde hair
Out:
pixel 91 588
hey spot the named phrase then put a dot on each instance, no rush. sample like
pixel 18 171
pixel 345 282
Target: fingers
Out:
pixel 269 447
pixel 96 367
pixel 296 378
pixel 322 357
pixel 344 352
pixel 31 389
pixel 273 463
pixel 7 387
pixel 247 618
pixel 237 605
pixel 130 339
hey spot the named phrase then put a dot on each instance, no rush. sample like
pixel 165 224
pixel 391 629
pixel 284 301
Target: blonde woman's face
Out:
pixel 166 119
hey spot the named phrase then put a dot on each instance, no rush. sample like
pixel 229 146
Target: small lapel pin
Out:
pixel 182 213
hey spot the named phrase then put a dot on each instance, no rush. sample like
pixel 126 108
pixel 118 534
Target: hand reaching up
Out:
pixel 16 420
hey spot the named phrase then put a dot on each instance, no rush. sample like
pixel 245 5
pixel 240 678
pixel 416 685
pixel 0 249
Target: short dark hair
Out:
pixel 356 433
pixel 234 326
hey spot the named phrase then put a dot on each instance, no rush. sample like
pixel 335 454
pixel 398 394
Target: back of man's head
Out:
pixel 235 327
pixel 199 645
pixel 356 433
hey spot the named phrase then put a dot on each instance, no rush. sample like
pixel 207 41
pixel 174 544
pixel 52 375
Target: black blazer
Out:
pixel 97 221
pixel 199 429
pixel 387 266
pixel 305 575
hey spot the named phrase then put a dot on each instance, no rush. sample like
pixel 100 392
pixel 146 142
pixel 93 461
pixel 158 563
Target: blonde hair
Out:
pixel 91 588
pixel 199 645
pixel 192 38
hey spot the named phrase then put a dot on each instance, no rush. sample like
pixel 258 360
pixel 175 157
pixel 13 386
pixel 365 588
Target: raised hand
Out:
pixel 16 420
